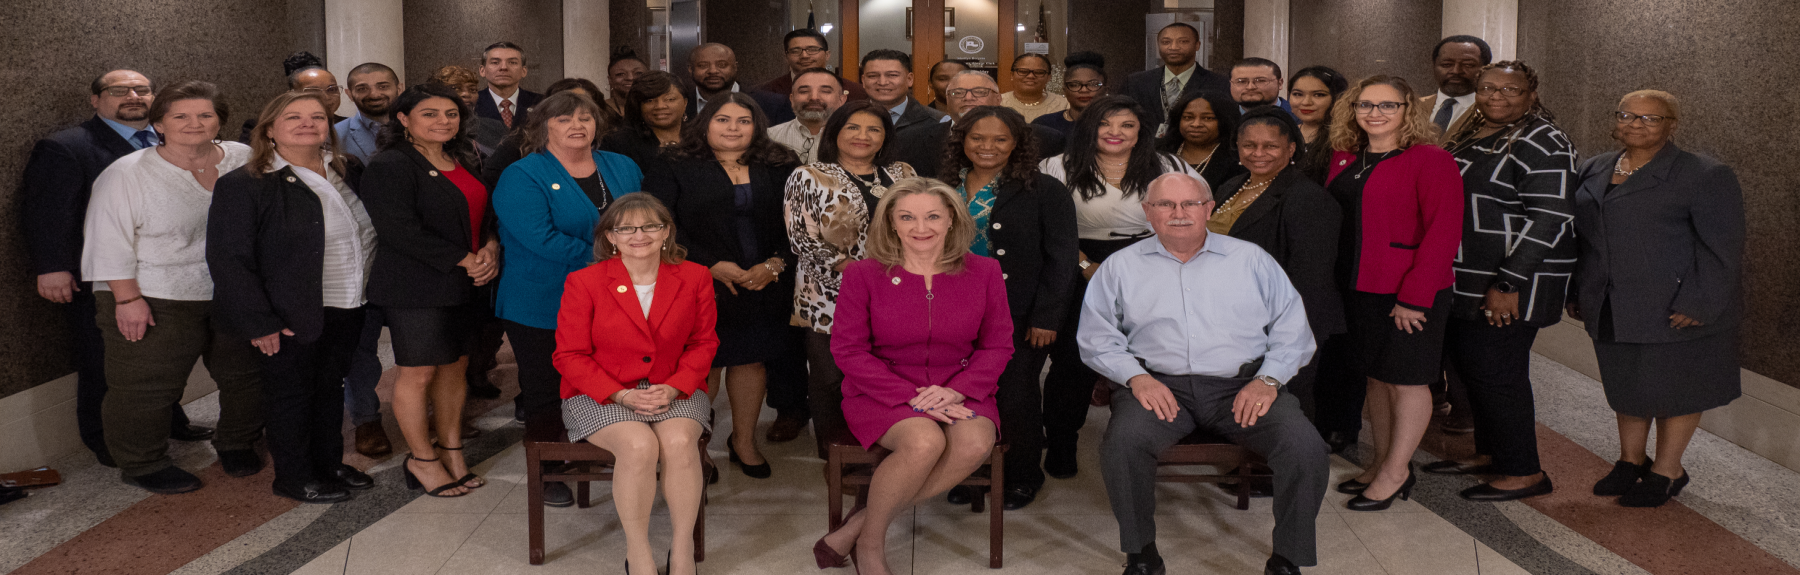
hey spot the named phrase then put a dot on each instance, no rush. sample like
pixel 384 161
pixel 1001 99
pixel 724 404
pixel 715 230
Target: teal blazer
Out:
pixel 547 231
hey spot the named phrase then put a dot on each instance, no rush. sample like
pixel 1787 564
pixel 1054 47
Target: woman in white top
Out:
pixel 1107 165
pixel 1031 75
pixel 289 246
pixel 145 250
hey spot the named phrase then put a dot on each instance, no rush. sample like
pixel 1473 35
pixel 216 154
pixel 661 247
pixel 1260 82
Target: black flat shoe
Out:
pixel 1623 476
pixel 1352 487
pixel 167 481
pixel 962 495
pixel 352 478
pixel 240 462
pixel 190 433
pixel 315 492
pixel 1144 564
pixel 762 471
pixel 1278 565
pixel 1060 463
pixel 1339 441
pixel 1452 467
pixel 1364 503
pixel 1018 496
pixel 558 494
pixel 1654 490
pixel 1487 493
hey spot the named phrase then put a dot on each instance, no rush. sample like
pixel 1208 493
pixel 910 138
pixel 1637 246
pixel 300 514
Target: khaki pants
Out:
pixel 145 379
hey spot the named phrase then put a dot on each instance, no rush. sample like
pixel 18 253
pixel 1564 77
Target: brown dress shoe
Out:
pixel 785 429
pixel 372 440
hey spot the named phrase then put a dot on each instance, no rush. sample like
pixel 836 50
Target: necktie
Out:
pixel 1445 114
pixel 1171 91
pixel 506 114
pixel 143 139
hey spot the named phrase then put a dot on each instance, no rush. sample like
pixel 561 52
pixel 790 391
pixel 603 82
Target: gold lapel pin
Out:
pixel 621 289
pixel 555 186
pixel 433 173
pixel 896 281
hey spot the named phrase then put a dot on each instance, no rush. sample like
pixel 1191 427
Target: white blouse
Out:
pixel 349 235
pixel 646 294
pixel 1113 216
pixel 146 221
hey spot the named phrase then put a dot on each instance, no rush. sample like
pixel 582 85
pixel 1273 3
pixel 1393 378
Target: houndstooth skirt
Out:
pixel 583 416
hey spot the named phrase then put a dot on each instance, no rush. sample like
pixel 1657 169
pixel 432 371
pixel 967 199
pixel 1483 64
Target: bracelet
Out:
pixel 771 268
pixel 126 301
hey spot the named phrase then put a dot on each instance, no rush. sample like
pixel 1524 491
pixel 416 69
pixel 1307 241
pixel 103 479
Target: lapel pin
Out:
pixel 433 173
pixel 621 289
pixel 896 281
pixel 555 186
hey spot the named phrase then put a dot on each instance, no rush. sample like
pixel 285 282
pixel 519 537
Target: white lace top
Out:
pixel 147 221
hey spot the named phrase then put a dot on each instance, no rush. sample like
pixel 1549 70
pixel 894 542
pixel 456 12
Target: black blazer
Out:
pixel 487 107
pixel 505 154
pixel 700 195
pixel 770 104
pixel 423 222
pixel 914 117
pixel 58 180
pixel 1668 239
pixel 923 147
pixel 1033 235
pixel 265 246
pixel 629 142
pixel 1296 221
pixel 1146 88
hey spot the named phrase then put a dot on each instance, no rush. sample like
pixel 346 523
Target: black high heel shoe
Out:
pixel 468 477
pixel 412 481
pixel 762 471
pixel 1362 502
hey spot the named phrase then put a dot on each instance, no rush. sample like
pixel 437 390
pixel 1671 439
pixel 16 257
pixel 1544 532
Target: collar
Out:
pixel 1213 245
pixel 280 162
pixel 367 124
pixel 497 98
pixel 1462 102
pixel 127 131
pixel 899 109
pixel 702 99
pixel 1184 76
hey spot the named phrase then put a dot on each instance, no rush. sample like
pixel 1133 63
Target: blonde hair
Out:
pixel 637 203
pixel 262 147
pixel 1415 127
pixel 884 241
pixel 1668 101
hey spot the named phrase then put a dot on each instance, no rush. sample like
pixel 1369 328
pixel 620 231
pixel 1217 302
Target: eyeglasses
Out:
pixel 1387 108
pixel 1029 73
pixel 1488 90
pixel 1093 86
pixel 1651 120
pixel 332 89
pixel 1255 81
pixel 648 228
pixel 959 93
pixel 123 91
pixel 807 50
pixel 1167 206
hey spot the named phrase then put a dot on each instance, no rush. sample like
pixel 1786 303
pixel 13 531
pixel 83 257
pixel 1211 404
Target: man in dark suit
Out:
pixel 57 182
pixel 887 77
pixel 503 66
pixel 806 49
pixel 924 148
pixel 1158 88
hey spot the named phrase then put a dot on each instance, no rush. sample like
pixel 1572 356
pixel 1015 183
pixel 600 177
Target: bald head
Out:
pixel 1178 206
pixel 971 88
pixel 713 67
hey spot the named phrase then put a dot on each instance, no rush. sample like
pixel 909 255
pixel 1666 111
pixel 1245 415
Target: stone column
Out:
pixel 1266 31
pixel 1496 21
pixel 587 40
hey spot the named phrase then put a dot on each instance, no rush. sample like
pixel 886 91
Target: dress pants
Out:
pixel 540 385
pixel 825 390
pixel 1494 364
pixel 485 341
pixel 89 349
pixel 365 371
pixel 1021 406
pixel 146 378
pixel 304 387
pixel 1135 438
pixel 788 380
pixel 1069 387
pixel 1339 389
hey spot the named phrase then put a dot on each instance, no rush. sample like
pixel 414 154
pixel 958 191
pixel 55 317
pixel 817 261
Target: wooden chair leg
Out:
pixel 700 529
pixel 534 506
pixel 583 499
pixel 834 492
pixel 1243 487
pixel 996 515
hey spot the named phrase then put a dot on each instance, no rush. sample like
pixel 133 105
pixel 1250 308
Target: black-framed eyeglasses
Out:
pixel 1651 120
pixel 647 228
pixel 807 50
pixel 1387 108
pixel 123 91
pixel 1093 86
pixel 1489 89
pixel 959 93
pixel 1030 73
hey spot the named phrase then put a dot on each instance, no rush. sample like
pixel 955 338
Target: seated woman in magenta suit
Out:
pixel 634 340
pixel 922 334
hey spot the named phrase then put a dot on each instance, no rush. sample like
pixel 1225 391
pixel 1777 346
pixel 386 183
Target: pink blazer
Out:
pixel 1412 223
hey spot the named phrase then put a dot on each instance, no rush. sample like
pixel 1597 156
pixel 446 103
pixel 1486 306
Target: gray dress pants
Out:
pixel 1134 438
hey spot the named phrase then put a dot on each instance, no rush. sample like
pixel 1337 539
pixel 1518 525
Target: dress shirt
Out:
pixel 357 134
pixel 127 132
pixel 349 235
pixel 1462 105
pixel 514 98
pixel 1183 77
pixel 702 99
pixel 1227 306
pixel 147 222
pixel 895 112
pixel 799 138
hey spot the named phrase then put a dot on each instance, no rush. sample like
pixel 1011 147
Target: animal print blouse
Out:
pixel 827 222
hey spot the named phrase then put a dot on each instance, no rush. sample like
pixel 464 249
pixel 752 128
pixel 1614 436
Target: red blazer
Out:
pixel 1412 212
pixel 604 344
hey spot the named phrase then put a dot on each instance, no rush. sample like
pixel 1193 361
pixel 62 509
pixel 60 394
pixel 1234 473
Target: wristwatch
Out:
pixel 1504 286
pixel 1275 383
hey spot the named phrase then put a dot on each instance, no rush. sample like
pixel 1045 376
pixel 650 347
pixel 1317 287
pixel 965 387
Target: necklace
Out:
pixel 1041 99
pixel 205 165
pixel 1241 200
pixel 1366 166
pixel 873 183
pixel 1619 168
pixel 1200 167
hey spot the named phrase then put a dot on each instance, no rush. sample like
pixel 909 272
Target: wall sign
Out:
pixel 970 44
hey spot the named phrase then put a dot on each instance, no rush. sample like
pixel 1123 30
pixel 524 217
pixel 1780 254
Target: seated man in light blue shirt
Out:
pixel 1203 329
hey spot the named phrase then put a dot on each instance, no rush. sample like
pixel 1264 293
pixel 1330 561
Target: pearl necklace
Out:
pixel 1619 168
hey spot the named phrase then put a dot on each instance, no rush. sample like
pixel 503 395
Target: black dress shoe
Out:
pixel 1362 502
pixel 105 458
pixel 1486 492
pixel 558 494
pixel 963 495
pixel 1623 476
pixel 480 387
pixel 1453 467
pixel 759 471
pixel 519 413
pixel 1352 487
pixel 352 478
pixel 315 492
pixel 1144 564
pixel 1060 463
pixel 190 433
pixel 1339 441
pixel 1018 496
pixel 240 462
pixel 1279 565
pixel 168 481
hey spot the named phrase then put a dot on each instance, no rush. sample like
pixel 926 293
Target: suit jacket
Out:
pixel 628 142
pixel 265 240
pixel 1430 103
pixel 700 195
pixel 1412 213
pixel 916 116
pixel 1297 222
pixel 604 344
pixel 783 86
pixel 1668 239
pixel 547 230
pixel 423 222
pixel 58 180
pixel 769 103
pixel 923 147
pixel 486 107
pixel 1033 235
pixel 1146 88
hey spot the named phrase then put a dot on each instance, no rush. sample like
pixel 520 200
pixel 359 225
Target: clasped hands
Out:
pixel 652 400
pixel 941 403
pixel 1252 402
pixel 483 265
pixel 754 279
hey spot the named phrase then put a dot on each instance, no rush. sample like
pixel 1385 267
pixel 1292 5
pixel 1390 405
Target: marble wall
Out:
pixel 442 32
pixel 1730 61
pixel 1228 26
pixel 1114 31
pixel 55 49
pixel 753 28
pixel 1362 38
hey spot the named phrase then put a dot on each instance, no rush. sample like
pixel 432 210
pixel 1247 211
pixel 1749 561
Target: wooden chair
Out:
pixel 546 440
pixel 1205 448
pixel 849 464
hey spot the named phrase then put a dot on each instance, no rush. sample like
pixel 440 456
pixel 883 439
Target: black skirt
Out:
pixel 1388 354
pixel 430 336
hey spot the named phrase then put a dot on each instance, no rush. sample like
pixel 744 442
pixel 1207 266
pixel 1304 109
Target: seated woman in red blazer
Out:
pixel 1402 202
pixel 922 333
pixel 634 339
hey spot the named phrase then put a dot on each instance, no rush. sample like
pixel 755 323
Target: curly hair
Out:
pixel 1415 126
pixel 1021 166
pixel 1081 156
pixel 1464 130
pixel 461 146
pixel 763 150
